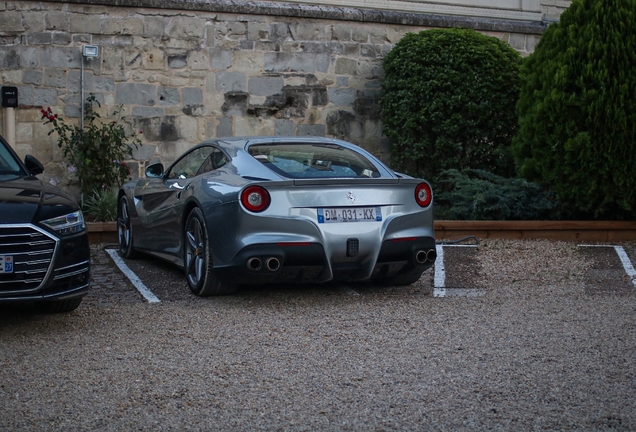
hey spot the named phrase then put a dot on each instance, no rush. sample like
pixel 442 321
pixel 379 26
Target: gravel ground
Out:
pixel 545 348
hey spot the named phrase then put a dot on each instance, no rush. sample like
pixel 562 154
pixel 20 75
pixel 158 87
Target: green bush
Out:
pixel 101 206
pixel 577 109
pixel 480 195
pixel 97 151
pixel 449 102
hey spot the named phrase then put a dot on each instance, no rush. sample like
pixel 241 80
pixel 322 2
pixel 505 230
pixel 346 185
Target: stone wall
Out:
pixel 195 71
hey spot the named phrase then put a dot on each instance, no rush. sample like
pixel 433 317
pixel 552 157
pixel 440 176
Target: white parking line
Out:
pixel 627 264
pixel 439 283
pixel 143 289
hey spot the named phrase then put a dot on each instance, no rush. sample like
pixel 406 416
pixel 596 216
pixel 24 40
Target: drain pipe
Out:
pixel 8 128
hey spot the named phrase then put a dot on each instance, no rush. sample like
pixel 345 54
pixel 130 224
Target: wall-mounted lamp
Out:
pixel 90 51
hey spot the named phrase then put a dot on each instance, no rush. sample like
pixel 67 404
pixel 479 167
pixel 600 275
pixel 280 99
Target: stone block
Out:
pixel 136 94
pixel 177 61
pixel 61 38
pixel 278 32
pixel 346 66
pixel 103 84
pixel 181 27
pixel 132 26
pixel 90 24
pixel 44 96
pixel 277 62
pixel 154 59
pixel 323 61
pixel 158 128
pixel 154 26
pixel 224 129
pixel 303 63
pixel 220 59
pixel 23 58
pixel 284 127
pixel 310 31
pixel 111 26
pixel 236 103
pixel 55 78
pixel 368 50
pixel 140 111
pixel 57 20
pixel 251 126
pixel 248 62
pixel 341 32
pixel 34 21
pixel 188 127
pixel 257 31
pixel 265 86
pixel 72 111
pixel 144 152
pixel 198 60
pixel 311 130
pixel 32 77
pixel 230 82
pixel 517 41
pixel 192 96
pixel 11 21
pixel 342 96
pixel 60 57
pixel 168 96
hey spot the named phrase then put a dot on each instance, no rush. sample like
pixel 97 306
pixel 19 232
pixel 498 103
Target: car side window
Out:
pixel 215 160
pixel 189 165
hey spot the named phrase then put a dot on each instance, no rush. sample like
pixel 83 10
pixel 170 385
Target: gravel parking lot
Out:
pixel 549 343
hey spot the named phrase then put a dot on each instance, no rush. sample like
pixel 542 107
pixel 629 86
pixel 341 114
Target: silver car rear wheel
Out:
pixel 197 263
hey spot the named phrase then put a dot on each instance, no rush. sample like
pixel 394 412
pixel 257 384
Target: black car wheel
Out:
pixel 124 230
pixel 198 269
pixel 59 306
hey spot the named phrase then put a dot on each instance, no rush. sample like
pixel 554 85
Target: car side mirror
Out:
pixel 33 165
pixel 154 170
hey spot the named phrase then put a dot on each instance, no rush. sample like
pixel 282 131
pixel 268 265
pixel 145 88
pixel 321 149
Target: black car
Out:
pixel 44 250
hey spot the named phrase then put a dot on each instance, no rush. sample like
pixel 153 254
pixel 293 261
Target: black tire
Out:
pixel 124 230
pixel 196 259
pixel 59 306
pixel 400 280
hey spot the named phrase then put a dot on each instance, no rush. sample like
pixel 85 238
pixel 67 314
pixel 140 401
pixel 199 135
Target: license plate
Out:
pixel 351 214
pixel 6 263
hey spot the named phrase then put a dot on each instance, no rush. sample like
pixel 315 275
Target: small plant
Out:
pixel 480 195
pixel 97 151
pixel 101 206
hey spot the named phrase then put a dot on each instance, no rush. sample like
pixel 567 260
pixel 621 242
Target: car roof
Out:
pixel 241 142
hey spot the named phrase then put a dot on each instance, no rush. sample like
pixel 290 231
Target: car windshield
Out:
pixel 314 160
pixel 9 167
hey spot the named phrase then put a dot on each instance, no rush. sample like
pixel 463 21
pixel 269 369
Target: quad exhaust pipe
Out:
pixel 255 264
pixel 422 256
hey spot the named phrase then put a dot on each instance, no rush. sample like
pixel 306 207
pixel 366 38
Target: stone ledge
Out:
pixel 594 231
pixel 330 13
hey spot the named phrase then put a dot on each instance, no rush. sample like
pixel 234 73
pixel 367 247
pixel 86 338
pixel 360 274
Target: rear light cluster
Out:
pixel 423 194
pixel 255 198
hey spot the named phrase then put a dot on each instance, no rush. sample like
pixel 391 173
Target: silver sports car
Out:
pixel 252 210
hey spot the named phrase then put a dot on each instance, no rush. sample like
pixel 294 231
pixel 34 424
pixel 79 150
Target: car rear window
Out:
pixel 314 160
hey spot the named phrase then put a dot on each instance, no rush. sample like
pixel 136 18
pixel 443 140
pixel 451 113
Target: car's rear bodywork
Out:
pixel 336 219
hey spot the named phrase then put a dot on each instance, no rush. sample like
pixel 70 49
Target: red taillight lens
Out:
pixel 423 195
pixel 255 198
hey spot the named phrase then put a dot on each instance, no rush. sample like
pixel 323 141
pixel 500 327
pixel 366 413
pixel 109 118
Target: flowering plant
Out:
pixel 98 150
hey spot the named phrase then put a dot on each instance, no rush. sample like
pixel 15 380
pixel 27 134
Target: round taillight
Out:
pixel 255 198
pixel 423 195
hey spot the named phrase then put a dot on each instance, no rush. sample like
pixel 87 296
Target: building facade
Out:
pixel 187 71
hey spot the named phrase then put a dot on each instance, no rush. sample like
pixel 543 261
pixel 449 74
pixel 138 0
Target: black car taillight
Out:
pixel 255 198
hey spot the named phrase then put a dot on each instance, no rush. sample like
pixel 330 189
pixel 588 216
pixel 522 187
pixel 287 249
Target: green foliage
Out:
pixel 480 195
pixel 101 206
pixel 96 152
pixel 449 102
pixel 577 109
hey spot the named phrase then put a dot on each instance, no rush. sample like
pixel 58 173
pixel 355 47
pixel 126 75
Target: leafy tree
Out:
pixel 577 109
pixel 449 102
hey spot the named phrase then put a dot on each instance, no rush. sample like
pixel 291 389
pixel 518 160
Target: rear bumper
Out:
pixel 306 262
